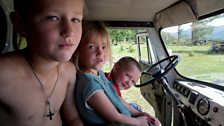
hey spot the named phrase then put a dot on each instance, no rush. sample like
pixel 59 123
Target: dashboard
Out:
pixel 205 102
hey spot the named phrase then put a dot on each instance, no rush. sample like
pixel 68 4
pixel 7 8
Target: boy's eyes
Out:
pixel 133 82
pixel 52 18
pixel 76 20
pixel 129 77
pixel 55 18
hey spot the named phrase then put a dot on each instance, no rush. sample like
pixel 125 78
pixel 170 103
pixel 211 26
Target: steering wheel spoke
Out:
pixel 156 72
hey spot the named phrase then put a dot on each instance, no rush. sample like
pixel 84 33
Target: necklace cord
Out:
pixel 48 97
pixel 50 113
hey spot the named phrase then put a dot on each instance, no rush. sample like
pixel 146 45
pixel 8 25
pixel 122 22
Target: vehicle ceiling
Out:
pixel 162 12
pixel 124 10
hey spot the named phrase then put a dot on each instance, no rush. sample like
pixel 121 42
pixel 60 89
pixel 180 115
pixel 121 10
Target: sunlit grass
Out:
pixel 199 63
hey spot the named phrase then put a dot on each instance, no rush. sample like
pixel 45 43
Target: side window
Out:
pixel 200 46
pixel 3 29
pixel 144 47
pixel 20 42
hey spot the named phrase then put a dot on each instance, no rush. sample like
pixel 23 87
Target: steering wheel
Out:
pixel 158 73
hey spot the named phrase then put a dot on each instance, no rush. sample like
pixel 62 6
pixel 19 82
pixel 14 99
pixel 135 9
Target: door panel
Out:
pixel 153 93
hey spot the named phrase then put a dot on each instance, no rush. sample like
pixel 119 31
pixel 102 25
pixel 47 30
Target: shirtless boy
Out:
pixel 37 81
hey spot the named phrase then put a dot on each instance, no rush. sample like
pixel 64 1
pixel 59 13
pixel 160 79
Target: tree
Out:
pixel 202 28
pixel 119 35
pixel 169 38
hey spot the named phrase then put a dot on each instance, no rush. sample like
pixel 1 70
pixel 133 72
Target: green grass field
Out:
pixel 199 63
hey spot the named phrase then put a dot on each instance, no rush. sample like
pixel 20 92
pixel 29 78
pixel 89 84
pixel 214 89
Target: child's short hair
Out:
pixel 128 60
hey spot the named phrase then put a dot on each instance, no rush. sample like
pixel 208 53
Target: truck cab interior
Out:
pixel 180 47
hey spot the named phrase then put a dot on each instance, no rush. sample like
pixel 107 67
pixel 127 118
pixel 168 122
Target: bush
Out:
pixel 121 48
pixel 191 54
pixel 130 49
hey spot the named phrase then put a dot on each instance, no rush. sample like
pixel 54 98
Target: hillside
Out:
pixel 217 34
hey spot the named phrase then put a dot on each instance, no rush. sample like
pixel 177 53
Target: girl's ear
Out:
pixel 19 24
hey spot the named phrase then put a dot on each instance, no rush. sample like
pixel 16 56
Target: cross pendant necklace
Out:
pixel 50 113
pixel 48 103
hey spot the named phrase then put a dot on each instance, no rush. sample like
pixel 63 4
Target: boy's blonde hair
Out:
pixel 92 28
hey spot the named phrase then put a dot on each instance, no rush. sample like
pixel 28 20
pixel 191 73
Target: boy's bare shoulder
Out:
pixel 10 61
pixel 12 68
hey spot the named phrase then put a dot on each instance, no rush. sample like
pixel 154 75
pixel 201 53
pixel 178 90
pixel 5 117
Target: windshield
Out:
pixel 200 46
